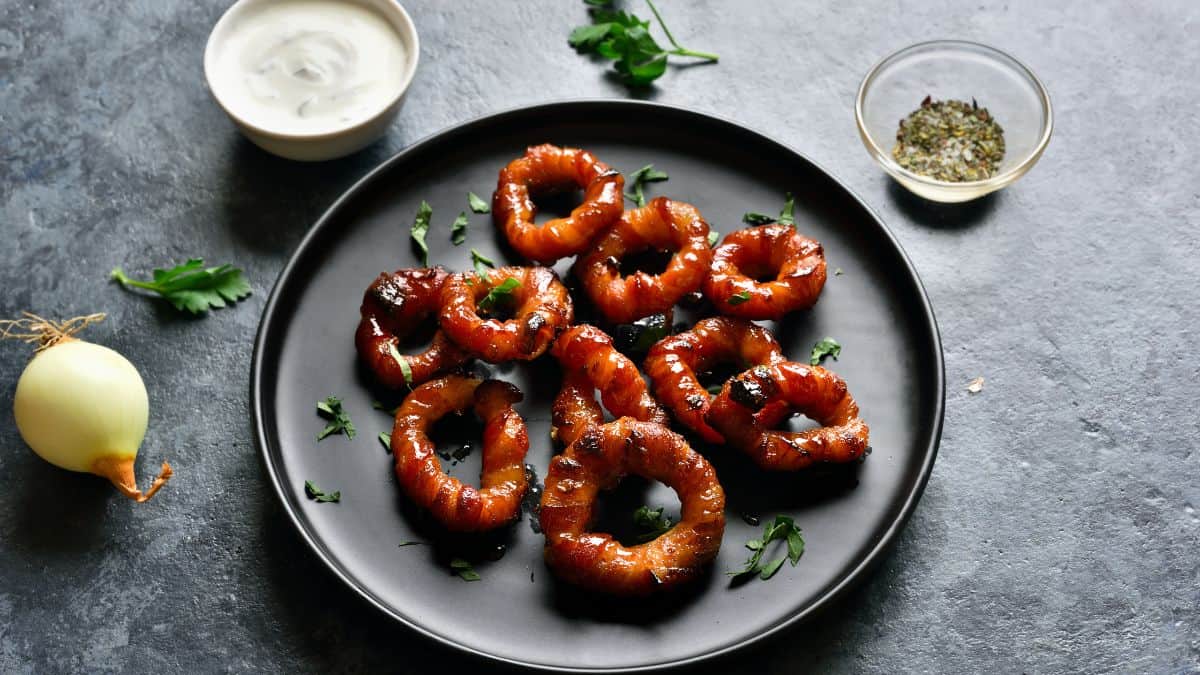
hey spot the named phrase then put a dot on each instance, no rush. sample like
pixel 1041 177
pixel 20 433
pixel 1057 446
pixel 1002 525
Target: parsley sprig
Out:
pixel 652 521
pixel 782 529
pixel 625 39
pixel 192 287
pixel 825 347
pixel 339 420
pixel 639 178
pixel 738 298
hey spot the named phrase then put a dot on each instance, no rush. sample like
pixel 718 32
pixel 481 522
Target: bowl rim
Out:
pixel 395 14
pixel 999 179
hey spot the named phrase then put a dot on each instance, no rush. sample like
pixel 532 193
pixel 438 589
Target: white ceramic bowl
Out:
pixel 322 145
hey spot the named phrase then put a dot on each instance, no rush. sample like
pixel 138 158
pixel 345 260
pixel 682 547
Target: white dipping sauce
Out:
pixel 309 66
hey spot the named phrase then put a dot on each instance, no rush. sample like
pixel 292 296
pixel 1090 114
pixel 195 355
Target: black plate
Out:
pixel 892 360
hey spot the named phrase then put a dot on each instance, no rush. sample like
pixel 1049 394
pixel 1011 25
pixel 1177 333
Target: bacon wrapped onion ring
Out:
pixel 541 310
pixel 392 307
pixel 663 225
pixel 794 262
pixel 503 483
pixel 597 460
pixel 546 169
pixel 818 393
pixel 590 362
pixel 674 361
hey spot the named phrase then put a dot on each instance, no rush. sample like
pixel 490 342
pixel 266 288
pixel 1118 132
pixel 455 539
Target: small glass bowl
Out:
pixel 955 69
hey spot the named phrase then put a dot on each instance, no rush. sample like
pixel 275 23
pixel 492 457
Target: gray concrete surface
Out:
pixel 1059 532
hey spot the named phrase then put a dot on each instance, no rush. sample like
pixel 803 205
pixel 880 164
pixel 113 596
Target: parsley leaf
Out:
pixel 419 229
pixel 738 298
pixel 625 39
pixel 823 348
pixel 837 272
pixel 477 204
pixel 386 439
pixel 481 263
pixel 339 419
pixel 713 238
pixel 781 529
pixel 753 218
pixel 498 293
pixel 652 521
pixel 464 570
pixel 410 543
pixel 314 492
pixel 458 229
pixel 787 216
pixel 639 178
pixel 192 287
pixel 402 361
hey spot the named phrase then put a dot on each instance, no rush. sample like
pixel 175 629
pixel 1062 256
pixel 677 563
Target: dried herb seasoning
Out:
pixel 951 141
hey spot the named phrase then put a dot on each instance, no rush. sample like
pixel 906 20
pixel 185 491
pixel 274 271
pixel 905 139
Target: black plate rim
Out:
pixel 830 596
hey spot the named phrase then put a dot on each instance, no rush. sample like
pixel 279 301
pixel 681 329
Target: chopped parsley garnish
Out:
pixel 339 419
pixel 410 543
pixel 192 287
pixel 787 216
pixel 782 529
pixel 402 361
pixel 713 238
pixel 754 218
pixel 458 229
pixel 625 39
pixel 477 205
pixel 826 347
pixel 314 492
pixel 481 263
pixel 464 570
pixel 386 439
pixel 738 298
pixel 652 521
pixel 420 228
pixel 639 178
pixel 499 293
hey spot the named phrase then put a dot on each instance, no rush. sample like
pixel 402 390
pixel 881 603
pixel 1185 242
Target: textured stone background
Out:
pixel 1059 531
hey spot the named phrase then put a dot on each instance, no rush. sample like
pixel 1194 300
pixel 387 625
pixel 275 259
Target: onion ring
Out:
pixel 393 305
pixel 545 169
pixel 818 393
pixel 662 224
pixel 597 460
pixel 673 363
pixel 461 507
pixel 590 362
pixel 796 263
pixel 542 310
